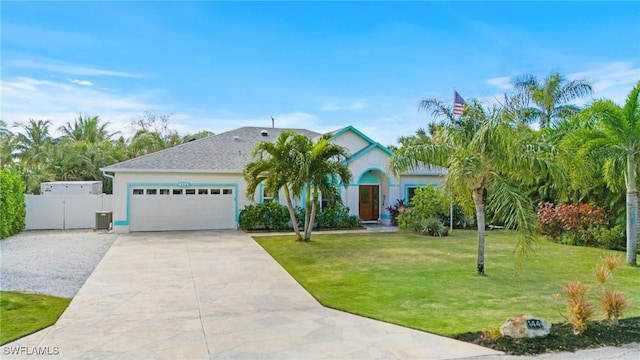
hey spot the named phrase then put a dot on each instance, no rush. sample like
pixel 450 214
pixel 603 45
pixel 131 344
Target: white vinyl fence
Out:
pixel 57 212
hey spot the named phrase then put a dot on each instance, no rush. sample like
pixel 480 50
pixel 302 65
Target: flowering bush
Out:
pixel 579 224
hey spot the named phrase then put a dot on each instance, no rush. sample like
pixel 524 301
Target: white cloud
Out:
pixel 81 82
pixel 355 106
pixel 66 68
pixel 503 82
pixel 612 80
pixel 28 98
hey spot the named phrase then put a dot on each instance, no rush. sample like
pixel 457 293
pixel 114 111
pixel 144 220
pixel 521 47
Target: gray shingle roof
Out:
pixel 227 152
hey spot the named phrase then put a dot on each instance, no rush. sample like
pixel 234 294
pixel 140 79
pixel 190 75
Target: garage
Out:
pixel 162 208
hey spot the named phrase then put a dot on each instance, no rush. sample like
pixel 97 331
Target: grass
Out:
pixel 23 314
pixel 429 283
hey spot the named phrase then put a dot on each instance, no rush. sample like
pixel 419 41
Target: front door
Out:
pixel 368 203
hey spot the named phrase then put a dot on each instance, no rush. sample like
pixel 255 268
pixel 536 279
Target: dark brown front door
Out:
pixel 368 208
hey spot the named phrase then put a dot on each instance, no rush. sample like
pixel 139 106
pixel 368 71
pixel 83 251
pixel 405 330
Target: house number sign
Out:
pixel 184 183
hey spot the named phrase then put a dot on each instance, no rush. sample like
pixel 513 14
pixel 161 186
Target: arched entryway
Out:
pixel 371 188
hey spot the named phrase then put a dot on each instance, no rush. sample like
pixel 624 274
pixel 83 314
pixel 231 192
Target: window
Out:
pixel 152 191
pixel 203 191
pixel 227 191
pixel 267 198
pixel 324 203
pixel 190 191
pixel 138 191
pixel 164 192
pixel 411 192
pixel 215 191
pixel 177 191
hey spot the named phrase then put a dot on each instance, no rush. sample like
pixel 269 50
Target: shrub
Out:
pixel 432 226
pixel 612 302
pixel 396 210
pixel 580 310
pixel 335 217
pixel 579 224
pixel 268 216
pixel 12 205
pixel 428 202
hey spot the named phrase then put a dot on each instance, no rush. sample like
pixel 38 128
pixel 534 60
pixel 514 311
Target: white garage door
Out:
pixel 182 208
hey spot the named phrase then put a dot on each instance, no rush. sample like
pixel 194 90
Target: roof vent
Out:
pixel 236 137
pixel 264 133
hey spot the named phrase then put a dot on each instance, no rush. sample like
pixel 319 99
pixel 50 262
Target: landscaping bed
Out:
pixel 561 338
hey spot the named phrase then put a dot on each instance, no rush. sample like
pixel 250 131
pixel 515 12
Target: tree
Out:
pixel 32 144
pixel 302 169
pixel 88 129
pixel 485 151
pixel 33 150
pixel 7 143
pixel 274 165
pixel 551 97
pixel 322 166
pixel 612 135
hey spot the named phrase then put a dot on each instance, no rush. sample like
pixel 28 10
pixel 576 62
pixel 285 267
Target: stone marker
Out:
pixel 525 326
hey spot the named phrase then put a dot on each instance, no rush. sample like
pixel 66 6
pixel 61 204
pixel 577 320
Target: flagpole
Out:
pixel 451 190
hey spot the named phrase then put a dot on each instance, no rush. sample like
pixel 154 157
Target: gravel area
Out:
pixel 52 262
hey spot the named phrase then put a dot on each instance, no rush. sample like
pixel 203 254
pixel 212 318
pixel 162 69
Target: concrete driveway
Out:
pixel 200 295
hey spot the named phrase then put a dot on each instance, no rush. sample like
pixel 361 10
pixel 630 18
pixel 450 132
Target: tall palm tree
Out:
pixel 322 166
pixel 274 165
pixel 484 151
pixel 614 138
pixel 7 143
pixel 32 144
pixel 146 142
pixel 87 128
pixel 551 96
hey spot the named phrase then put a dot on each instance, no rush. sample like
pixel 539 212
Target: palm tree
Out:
pixel 33 143
pixel 322 166
pixel 274 166
pixel 7 143
pixel 612 135
pixel 146 142
pixel 484 151
pixel 551 97
pixel 85 128
pixel 301 168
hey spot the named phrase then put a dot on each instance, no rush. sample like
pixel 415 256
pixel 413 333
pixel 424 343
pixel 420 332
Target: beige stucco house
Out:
pixel 199 185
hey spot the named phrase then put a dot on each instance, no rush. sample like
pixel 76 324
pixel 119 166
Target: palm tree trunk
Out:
pixel 632 211
pixel 477 199
pixel 312 217
pixel 292 212
pixel 307 211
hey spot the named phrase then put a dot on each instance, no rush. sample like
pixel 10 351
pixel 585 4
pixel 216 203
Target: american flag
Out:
pixel 458 104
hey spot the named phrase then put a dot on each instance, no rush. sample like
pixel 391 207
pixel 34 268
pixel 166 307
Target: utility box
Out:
pixel 71 188
pixel 103 220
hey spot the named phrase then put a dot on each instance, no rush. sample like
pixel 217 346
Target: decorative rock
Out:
pixel 525 326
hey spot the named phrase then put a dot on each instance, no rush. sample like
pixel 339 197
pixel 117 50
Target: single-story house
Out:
pixel 199 185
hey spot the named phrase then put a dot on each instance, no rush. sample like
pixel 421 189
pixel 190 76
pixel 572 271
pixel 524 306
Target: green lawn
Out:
pixel 23 314
pixel 429 283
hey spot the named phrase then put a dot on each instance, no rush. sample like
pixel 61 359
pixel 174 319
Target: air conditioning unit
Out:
pixel 103 220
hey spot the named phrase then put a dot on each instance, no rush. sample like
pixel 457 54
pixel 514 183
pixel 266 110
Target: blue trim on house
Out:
pixel 183 184
pixel 407 186
pixel 363 136
pixel 389 182
pixel 366 150
pixel 385 216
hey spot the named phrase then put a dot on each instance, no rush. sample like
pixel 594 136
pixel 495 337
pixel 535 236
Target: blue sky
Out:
pixel 318 65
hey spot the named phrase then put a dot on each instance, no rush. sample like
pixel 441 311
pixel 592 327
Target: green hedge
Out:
pixel 274 216
pixel 12 206
pixel 268 216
